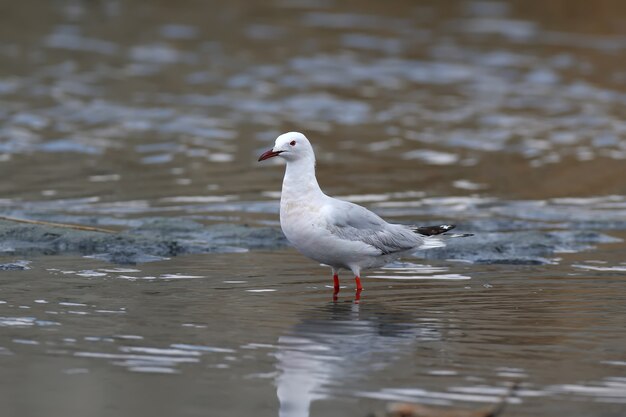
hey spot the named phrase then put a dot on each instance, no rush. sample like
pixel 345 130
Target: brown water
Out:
pixel 500 116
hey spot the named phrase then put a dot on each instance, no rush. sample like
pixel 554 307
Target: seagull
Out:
pixel 334 232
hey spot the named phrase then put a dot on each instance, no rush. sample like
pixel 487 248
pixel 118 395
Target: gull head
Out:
pixel 291 146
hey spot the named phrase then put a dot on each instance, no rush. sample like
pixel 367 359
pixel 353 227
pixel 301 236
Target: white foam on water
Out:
pixel 202 348
pixel 364 198
pixel 601 268
pixel 25 321
pixel 131 278
pixel 442 372
pixel 154 358
pixel 180 276
pixel 200 199
pixel 128 336
pixel 90 273
pixel 486 395
pixel 468 185
pixel 195 326
pixel 153 369
pixel 432 157
pixel 25 341
pixel 442 277
pixel 105 178
pixel 159 351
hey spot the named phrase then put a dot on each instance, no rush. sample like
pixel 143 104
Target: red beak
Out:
pixel 269 154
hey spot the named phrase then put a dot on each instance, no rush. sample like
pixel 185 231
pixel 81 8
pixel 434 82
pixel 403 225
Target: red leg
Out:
pixel 335 286
pixel 336 282
pixel 359 287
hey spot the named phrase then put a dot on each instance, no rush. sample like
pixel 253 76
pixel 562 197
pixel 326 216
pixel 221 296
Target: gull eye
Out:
pixel 292 143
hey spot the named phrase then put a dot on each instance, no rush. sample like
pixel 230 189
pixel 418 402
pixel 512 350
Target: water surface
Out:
pixel 504 117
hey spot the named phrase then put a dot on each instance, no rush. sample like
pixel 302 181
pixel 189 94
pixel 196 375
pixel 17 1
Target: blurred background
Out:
pixel 137 106
pixel 506 117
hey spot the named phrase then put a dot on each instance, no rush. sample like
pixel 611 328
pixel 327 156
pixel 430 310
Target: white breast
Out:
pixel 300 221
pixel 304 223
pixel 305 227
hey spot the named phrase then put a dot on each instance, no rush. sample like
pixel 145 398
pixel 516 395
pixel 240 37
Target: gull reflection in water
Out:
pixel 337 343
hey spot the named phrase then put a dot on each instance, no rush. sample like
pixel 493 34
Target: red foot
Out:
pixel 357 296
pixel 359 287
pixel 335 287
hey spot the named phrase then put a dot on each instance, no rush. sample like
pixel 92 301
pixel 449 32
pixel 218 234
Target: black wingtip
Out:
pixel 434 230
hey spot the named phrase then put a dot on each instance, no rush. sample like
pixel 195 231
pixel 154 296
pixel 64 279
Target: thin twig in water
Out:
pixel 62 225
pixel 417 410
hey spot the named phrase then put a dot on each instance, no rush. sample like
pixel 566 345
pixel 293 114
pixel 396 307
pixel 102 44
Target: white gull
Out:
pixel 334 232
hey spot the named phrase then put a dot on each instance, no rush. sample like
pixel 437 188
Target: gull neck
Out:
pixel 300 181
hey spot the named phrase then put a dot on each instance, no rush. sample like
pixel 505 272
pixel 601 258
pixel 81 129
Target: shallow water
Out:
pixel 504 117
pixel 194 335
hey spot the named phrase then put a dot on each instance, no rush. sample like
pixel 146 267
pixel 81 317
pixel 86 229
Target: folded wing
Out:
pixel 352 222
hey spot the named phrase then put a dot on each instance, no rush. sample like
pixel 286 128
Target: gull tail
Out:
pixel 435 235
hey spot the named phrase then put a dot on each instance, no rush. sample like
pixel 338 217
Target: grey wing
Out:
pixel 349 221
